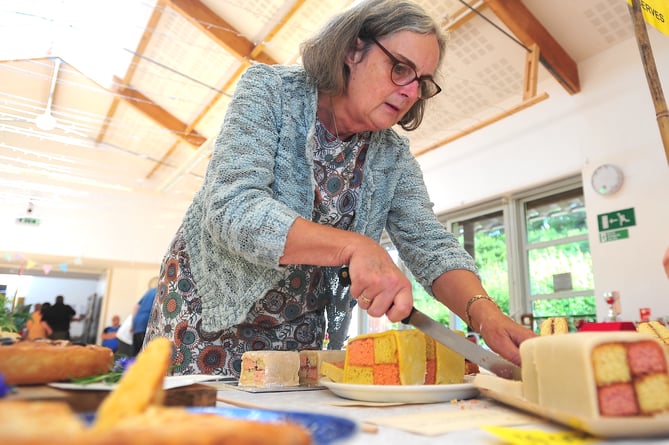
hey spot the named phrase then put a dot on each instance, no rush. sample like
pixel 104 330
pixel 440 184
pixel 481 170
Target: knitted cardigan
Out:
pixel 260 179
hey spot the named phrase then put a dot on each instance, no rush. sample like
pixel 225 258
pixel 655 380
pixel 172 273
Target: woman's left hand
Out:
pixel 504 336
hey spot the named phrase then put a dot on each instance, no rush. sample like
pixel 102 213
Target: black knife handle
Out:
pixel 407 320
pixel 344 276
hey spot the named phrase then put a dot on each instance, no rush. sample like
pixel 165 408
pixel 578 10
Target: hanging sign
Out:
pixel 655 13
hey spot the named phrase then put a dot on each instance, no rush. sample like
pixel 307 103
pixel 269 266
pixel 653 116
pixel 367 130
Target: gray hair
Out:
pixel 324 55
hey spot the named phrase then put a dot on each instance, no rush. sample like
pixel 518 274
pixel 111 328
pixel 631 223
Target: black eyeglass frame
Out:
pixel 420 79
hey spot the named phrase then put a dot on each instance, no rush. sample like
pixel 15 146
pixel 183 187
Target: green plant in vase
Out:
pixel 12 320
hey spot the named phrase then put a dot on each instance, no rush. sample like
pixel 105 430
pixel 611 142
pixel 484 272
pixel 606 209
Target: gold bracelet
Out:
pixel 472 301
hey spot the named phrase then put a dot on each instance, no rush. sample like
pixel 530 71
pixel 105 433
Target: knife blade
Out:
pixel 470 350
pixel 452 340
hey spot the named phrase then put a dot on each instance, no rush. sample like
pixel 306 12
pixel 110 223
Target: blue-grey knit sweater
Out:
pixel 260 179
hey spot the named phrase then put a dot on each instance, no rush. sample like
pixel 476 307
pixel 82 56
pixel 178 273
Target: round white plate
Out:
pixel 403 393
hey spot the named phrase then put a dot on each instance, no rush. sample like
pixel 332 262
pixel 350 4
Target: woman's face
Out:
pixel 374 101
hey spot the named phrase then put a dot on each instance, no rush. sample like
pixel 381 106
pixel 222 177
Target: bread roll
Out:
pixel 45 361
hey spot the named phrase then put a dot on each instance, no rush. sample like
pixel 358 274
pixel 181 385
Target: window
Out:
pixel 484 237
pixel 559 264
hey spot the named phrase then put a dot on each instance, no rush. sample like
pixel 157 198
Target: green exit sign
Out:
pixel 616 220
pixel 28 221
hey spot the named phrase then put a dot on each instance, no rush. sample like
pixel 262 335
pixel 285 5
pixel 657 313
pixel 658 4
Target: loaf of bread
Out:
pixel 44 361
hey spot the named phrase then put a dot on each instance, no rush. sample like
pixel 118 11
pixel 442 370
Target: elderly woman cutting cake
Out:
pixel 305 176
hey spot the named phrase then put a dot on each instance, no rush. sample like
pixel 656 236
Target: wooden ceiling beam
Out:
pixel 212 25
pixel 157 114
pixel 520 21
pixel 144 42
pixel 257 53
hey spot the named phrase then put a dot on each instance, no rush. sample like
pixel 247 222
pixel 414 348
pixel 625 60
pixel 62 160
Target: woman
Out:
pixel 305 175
pixel 36 327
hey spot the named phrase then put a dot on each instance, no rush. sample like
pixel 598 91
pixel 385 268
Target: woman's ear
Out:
pixel 354 54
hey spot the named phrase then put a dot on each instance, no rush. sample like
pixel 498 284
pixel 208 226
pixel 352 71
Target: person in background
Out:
pixel 665 262
pixel 59 316
pixel 46 306
pixel 140 318
pixel 305 175
pixel 36 327
pixel 109 334
pixel 124 337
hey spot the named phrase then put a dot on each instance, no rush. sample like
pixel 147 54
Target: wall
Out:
pixel 612 120
pixel 125 287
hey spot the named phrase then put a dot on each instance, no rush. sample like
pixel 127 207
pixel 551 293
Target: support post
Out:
pixel 652 77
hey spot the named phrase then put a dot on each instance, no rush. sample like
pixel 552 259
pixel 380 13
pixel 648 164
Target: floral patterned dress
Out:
pixel 291 316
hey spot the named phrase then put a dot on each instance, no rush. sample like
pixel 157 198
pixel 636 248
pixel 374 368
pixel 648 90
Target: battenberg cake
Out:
pixel 395 357
pixel 443 366
pixel 399 357
pixel 311 362
pixel 554 325
pixel 593 374
pixel 656 329
pixel 270 368
pixel 333 370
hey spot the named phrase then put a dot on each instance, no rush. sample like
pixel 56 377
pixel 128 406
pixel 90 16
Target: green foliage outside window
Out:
pixel 492 264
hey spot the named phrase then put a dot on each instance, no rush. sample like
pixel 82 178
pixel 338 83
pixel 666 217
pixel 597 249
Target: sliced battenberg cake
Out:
pixel 387 358
pixel 270 368
pixel 592 374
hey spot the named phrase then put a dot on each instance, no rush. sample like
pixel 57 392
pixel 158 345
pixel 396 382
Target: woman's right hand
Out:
pixel 374 275
pixel 377 283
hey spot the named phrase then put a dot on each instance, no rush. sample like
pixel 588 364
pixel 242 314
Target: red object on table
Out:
pixel 608 326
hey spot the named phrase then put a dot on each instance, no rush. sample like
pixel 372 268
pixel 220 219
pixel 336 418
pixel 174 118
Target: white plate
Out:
pixel 171 381
pixel 510 393
pixel 403 393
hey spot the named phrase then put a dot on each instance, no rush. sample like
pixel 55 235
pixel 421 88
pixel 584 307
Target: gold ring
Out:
pixel 364 299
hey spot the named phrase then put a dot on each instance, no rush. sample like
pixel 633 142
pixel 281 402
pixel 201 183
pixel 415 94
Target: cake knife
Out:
pixel 471 351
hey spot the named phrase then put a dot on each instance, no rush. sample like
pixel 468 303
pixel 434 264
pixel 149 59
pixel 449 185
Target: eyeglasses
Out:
pixel 403 74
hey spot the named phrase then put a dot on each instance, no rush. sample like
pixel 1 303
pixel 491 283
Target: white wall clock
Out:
pixel 607 179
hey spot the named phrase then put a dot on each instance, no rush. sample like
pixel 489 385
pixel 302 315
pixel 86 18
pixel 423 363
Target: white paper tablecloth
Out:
pixel 325 402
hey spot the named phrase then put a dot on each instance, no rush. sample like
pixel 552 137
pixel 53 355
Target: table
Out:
pixel 83 401
pixel 321 401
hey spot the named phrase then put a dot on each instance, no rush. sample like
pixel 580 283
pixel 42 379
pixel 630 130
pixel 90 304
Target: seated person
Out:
pixel 109 334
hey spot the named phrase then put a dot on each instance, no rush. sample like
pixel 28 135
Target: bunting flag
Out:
pixel 656 14
pixel 26 263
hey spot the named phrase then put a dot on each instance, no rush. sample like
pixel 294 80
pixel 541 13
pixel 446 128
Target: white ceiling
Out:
pixel 140 87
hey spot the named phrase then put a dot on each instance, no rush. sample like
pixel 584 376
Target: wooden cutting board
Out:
pixel 80 401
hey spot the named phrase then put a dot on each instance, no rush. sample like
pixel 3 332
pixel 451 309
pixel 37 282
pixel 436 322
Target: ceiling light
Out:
pixel 45 121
